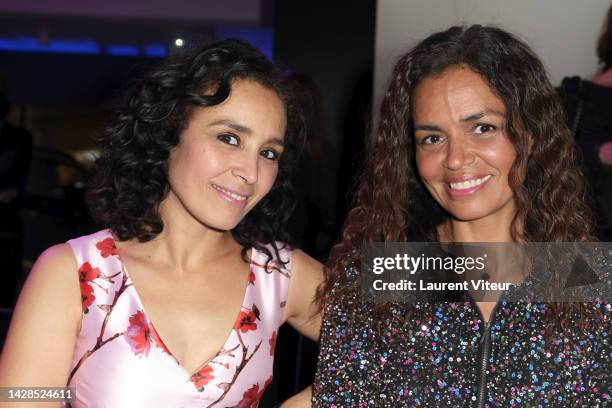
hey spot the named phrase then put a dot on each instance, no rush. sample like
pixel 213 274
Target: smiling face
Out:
pixel 463 154
pixel 227 158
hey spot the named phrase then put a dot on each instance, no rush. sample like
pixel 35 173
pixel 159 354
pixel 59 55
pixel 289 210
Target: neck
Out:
pixel 185 244
pixel 504 263
pixel 489 229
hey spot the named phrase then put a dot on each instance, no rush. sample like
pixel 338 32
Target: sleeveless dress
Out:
pixel 121 361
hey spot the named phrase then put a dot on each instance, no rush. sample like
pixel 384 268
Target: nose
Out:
pixel 458 154
pixel 245 167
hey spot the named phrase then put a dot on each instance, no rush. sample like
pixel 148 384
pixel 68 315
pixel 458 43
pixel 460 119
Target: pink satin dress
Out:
pixel 120 360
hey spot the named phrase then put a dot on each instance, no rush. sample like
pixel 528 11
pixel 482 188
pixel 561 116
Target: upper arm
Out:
pixel 40 343
pixel 302 399
pixel 301 310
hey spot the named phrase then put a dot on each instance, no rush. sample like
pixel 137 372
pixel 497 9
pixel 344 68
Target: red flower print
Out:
pixel 86 275
pixel 250 398
pixel 202 377
pixel 87 296
pixel 268 382
pixel 251 277
pixel 138 334
pixel 158 341
pixel 246 321
pixel 272 343
pixel 107 247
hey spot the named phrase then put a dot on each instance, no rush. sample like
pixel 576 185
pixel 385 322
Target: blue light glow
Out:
pixel 79 46
pixel 31 44
pixel 155 50
pixel 125 50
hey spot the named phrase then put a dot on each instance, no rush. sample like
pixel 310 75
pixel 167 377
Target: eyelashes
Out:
pixel 229 138
pixel 481 128
pixel 430 140
pixel 478 129
pixel 270 154
pixel 234 140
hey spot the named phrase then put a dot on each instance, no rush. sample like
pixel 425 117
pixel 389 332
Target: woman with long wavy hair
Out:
pixel 178 302
pixel 471 147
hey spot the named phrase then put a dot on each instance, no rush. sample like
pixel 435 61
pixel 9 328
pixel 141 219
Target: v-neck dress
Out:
pixel 120 360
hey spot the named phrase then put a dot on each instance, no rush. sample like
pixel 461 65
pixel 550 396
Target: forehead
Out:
pixel 253 96
pixel 251 105
pixel 455 93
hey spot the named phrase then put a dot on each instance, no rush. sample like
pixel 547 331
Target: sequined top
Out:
pixel 444 355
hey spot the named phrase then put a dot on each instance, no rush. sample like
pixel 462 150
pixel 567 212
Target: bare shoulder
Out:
pixel 58 256
pixel 54 273
pixel 49 308
pixel 304 263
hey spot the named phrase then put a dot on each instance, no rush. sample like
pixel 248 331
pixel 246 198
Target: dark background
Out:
pixel 62 71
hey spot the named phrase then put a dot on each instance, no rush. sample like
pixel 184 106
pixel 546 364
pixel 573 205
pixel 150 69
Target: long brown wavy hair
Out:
pixel 391 203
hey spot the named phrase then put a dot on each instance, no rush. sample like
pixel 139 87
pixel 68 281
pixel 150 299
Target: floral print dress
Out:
pixel 120 360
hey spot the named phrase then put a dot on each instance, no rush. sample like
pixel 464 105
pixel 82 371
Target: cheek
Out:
pixel 428 166
pixel 502 156
pixel 175 167
pixel 268 178
pixel 185 158
pixel 206 162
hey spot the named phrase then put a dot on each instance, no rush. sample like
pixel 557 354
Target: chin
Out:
pixel 466 218
pixel 468 214
pixel 220 223
pixel 221 227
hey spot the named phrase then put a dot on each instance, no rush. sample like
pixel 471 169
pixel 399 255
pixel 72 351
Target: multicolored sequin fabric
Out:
pixel 444 355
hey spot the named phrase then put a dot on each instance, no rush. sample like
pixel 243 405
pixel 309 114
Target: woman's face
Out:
pixel 463 154
pixel 227 158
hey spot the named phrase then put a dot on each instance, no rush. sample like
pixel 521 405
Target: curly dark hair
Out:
pixel 604 43
pixel 392 204
pixel 130 178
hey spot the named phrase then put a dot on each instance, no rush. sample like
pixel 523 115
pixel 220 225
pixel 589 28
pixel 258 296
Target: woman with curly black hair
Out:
pixel 472 147
pixel 179 301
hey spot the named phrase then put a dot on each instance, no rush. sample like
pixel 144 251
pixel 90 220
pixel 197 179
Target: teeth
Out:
pixel 229 193
pixel 469 183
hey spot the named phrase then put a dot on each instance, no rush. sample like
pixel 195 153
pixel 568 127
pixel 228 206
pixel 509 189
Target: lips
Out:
pixel 463 186
pixel 234 198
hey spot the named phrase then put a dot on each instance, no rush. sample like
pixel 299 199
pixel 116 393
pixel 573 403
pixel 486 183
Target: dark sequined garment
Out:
pixel 443 355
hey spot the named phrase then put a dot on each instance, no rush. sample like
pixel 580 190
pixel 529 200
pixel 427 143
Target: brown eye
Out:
pixel 270 154
pixel 484 128
pixel 229 138
pixel 431 140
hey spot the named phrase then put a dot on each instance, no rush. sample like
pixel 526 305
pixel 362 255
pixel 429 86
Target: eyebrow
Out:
pixel 431 128
pixel 246 130
pixel 232 125
pixel 479 115
pixel 469 118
